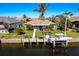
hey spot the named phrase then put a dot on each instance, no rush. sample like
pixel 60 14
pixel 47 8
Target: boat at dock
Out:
pixel 59 39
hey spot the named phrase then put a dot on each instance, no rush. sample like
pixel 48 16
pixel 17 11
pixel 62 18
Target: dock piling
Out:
pixel 44 42
pixel 37 41
pixel 30 42
pixel 53 43
pixel 66 43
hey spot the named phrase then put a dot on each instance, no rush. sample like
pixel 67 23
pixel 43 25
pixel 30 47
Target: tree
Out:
pixel 24 16
pixel 51 18
pixel 67 16
pixel 77 9
pixel 60 21
pixel 41 9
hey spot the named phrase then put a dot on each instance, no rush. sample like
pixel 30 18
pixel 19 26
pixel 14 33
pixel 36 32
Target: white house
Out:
pixel 3 30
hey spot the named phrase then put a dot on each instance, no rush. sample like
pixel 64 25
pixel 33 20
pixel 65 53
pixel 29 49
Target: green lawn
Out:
pixel 70 34
pixel 38 34
pixel 73 34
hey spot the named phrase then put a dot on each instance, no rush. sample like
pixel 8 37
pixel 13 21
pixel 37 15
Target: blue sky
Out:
pixel 18 9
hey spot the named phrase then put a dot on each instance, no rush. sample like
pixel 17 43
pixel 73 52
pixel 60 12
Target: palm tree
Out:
pixel 24 16
pixel 77 9
pixel 67 16
pixel 41 9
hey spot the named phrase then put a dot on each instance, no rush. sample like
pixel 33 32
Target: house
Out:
pixel 2 29
pixel 13 23
pixel 23 19
pixel 10 22
pixel 75 23
pixel 39 24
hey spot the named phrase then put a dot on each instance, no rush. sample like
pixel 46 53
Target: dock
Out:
pixel 37 41
pixel 30 41
pixel 61 41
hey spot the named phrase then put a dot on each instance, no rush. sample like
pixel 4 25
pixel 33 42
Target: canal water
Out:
pixel 37 50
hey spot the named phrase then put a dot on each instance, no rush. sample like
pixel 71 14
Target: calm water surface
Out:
pixel 34 50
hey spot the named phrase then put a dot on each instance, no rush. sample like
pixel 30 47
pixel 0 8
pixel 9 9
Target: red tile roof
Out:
pixel 23 19
pixel 39 22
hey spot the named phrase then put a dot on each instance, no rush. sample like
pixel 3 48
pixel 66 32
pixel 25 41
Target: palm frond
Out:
pixel 78 9
pixel 68 13
pixel 36 10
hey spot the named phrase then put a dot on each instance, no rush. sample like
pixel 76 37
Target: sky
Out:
pixel 18 9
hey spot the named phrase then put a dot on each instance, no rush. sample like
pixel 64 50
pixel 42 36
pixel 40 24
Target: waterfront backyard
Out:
pixel 39 34
pixel 25 34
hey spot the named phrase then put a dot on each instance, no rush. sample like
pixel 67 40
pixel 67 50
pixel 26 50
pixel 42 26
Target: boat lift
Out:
pixel 59 39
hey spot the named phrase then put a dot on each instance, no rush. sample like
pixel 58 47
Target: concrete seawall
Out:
pixel 10 41
pixel 21 40
pixel 31 40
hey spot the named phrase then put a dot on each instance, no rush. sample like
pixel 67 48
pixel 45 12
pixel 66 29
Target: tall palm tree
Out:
pixel 41 9
pixel 68 13
pixel 24 16
pixel 67 16
pixel 77 9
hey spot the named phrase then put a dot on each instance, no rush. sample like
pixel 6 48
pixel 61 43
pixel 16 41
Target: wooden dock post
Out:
pixel 22 41
pixel 37 41
pixel 66 43
pixel 44 41
pixel 30 42
pixel 53 43
pixel 23 44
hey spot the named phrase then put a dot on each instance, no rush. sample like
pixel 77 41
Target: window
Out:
pixel 77 25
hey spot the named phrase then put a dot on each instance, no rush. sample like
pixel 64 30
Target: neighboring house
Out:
pixel 2 29
pixel 75 23
pixel 39 24
pixel 23 19
pixel 11 22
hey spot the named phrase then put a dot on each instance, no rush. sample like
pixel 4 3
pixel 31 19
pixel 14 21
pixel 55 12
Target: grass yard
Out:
pixel 73 34
pixel 39 34
pixel 70 34
pixel 7 36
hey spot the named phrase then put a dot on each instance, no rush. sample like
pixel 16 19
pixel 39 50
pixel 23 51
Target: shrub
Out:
pixel 20 31
pixel 11 30
pixel 29 27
